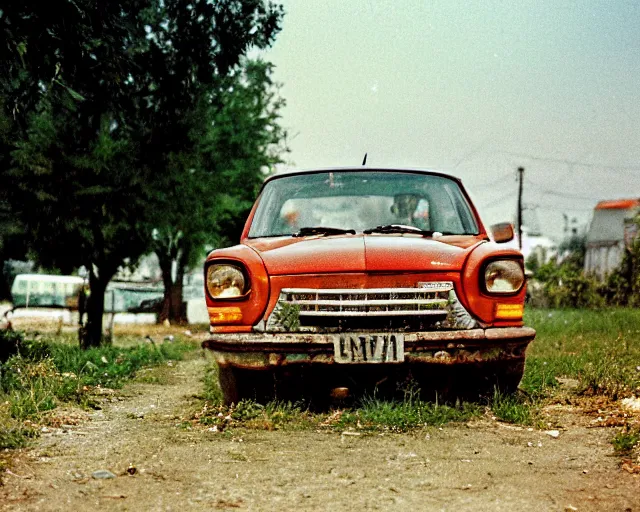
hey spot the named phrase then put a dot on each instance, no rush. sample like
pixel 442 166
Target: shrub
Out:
pixel 564 285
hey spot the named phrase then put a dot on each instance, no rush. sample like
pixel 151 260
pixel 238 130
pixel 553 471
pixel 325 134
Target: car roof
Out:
pixel 360 168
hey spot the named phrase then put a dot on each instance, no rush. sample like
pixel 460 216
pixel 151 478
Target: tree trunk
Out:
pixel 5 291
pixel 91 333
pixel 173 308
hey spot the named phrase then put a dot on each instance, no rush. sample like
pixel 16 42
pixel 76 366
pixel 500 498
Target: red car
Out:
pixel 354 280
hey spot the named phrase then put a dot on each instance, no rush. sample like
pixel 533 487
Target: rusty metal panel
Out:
pixel 263 350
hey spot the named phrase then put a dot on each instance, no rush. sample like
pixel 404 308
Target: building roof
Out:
pixel 607 225
pixel 618 204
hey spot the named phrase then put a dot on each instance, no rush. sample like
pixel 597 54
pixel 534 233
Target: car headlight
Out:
pixel 503 277
pixel 226 282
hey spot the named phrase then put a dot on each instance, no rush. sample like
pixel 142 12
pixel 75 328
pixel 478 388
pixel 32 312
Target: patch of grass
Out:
pixel 513 409
pixel 625 441
pixel 249 414
pixel 111 366
pixel 13 433
pixel 162 375
pixel 600 349
pixel 41 373
pixel 399 416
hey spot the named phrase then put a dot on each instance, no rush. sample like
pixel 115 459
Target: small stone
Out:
pixel 102 474
pixel 631 403
pixel 568 383
pixel 553 433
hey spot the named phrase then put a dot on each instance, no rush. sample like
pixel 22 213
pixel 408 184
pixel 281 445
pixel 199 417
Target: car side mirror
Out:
pixel 502 232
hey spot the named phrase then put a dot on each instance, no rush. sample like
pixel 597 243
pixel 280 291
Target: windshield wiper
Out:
pixel 321 230
pixel 401 228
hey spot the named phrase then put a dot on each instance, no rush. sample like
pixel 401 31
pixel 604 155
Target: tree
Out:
pixel 238 140
pixel 64 75
pixel 207 125
pixel 104 100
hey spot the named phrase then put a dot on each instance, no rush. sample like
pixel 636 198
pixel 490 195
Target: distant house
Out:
pixel 612 221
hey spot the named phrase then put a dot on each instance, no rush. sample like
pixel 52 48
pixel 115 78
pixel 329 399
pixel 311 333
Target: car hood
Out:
pixel 362 253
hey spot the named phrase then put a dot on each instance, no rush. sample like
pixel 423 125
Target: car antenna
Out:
pixel 364 160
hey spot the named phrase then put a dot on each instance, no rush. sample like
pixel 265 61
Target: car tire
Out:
pixel 489 378
pixel 239 384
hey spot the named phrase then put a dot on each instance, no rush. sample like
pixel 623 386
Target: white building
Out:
pixel 612 220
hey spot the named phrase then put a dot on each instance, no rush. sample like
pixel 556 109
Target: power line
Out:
pixel 557 208
pixel 498 201
pixel 546 191
pixel 495 182
pixel 573 162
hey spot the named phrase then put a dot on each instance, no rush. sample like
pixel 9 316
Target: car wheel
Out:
pixel 492 377
pixel 245 384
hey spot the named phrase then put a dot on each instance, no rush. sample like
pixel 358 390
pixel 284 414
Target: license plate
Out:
pixel 368 348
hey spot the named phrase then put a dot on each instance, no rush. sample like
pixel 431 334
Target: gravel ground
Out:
pixel 481 465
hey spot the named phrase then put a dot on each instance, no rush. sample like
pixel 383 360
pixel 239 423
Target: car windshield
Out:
pixel 362 200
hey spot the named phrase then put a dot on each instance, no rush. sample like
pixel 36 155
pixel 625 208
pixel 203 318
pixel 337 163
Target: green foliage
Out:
pixel 512 408
pixel 41 374
pixel 622 287
pixel 13 434
pixel 565 286
pixel 399 416
pixel 147 127
pixel 14 343
pixel 287 317
pixel 598 349
pixel 626 440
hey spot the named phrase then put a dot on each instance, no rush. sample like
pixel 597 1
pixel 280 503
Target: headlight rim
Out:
pixel 232 263
pixel 483 270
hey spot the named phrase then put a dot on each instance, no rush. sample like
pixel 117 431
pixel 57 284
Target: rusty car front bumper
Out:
pixel 263 351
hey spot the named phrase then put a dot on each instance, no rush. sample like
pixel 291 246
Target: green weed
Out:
pixel 512 409
pixel 625 441
pixel 399 416
pixel 600 349
pixel 39 374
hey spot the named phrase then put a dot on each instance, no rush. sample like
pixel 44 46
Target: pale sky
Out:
pixel 473 88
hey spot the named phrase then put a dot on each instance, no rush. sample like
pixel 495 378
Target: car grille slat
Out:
pixel 365 303
pixel 423 312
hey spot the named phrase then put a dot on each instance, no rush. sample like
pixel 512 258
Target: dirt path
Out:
pixel 483 465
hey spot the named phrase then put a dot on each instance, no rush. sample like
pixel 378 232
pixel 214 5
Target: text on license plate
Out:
pixel 368 348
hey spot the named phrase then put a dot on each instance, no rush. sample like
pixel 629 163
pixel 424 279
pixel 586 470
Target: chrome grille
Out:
pixel 371 302
pixel 432 305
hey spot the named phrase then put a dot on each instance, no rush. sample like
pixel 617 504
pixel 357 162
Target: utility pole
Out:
pixel 520 184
